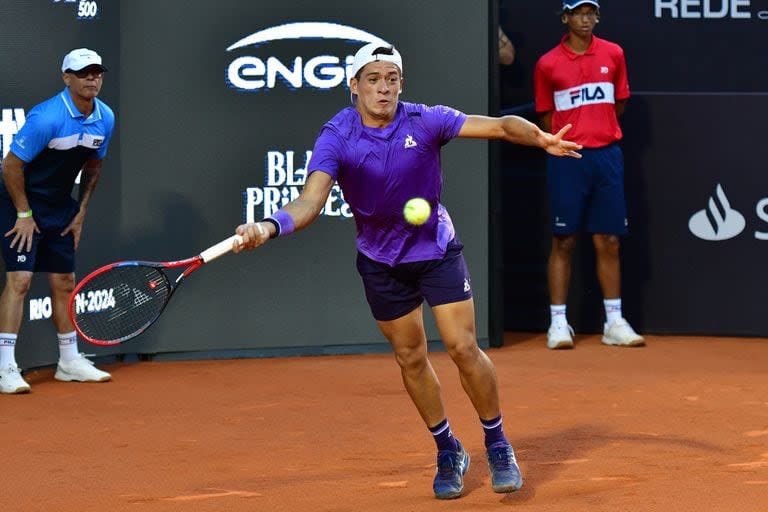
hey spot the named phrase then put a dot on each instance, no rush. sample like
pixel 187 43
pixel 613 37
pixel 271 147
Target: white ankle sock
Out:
pixel 7 349
pixel 557 311
pixel 67 346
pixel 612 310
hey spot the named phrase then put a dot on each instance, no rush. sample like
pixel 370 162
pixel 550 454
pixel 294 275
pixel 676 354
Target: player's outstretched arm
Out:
pixel 517 130
pixel 303 211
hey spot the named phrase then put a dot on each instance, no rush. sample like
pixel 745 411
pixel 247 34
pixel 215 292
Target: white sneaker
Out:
pixel 621 334
pixel 81 370
pixel 11 380
pixel 560 336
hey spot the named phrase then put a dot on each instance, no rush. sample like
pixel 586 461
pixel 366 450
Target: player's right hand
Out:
pixel 254 234
pixel 23 232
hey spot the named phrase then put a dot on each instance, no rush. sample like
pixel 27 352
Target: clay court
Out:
pixel 679 425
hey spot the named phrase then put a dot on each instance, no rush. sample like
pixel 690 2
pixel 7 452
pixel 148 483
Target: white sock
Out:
pixel 67 346
pixel 558 314
pixel 7 349
pixel 612 310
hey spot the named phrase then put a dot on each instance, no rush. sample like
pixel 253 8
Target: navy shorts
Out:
pixel 393 292
pixel 588 193
pixel 50 252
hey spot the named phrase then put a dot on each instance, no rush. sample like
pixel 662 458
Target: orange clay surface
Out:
pixel 680 425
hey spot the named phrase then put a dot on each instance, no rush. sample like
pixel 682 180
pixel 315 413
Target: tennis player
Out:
pixel 383 151
pixel 583 81
pixel 40 220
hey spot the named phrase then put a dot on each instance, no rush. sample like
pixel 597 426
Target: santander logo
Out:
pixel 718 221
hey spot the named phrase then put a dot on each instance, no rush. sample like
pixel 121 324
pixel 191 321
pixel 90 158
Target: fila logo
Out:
pixel 585 94
pixel 466 285
pixel 409 142
pixel 718 221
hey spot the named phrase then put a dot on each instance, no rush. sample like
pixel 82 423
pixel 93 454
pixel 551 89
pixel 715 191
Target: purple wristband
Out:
pixel 285 221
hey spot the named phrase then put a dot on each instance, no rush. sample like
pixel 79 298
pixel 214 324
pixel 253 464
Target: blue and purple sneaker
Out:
pixel 449 478
pixel 505 473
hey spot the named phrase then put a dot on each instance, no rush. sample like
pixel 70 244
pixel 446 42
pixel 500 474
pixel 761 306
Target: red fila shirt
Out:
pixel 582 90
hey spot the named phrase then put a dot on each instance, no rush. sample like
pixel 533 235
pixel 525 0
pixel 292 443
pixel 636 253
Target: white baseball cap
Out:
pixel 81 58
pixel 373 52
pixel 569 5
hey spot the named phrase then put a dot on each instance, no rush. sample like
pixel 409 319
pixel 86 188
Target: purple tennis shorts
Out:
pixel 393 292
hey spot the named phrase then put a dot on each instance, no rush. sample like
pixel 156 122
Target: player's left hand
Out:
pixel 555 145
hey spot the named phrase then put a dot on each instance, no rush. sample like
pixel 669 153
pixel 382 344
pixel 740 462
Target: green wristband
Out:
pixel 24 215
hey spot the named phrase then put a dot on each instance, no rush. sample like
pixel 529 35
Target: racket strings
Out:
pixel 121 302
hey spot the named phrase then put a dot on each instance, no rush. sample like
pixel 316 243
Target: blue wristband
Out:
pixel 284 222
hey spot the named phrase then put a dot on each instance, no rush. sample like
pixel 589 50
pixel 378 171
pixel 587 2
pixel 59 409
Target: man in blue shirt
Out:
pixel 383 152
pixel 41 222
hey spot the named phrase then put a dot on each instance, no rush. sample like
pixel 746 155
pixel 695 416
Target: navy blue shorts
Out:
pixel 588 193
pixel 50 252
pixel 393 292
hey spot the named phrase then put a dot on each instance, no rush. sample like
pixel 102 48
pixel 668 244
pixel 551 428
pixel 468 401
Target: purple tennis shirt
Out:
pixel 380 169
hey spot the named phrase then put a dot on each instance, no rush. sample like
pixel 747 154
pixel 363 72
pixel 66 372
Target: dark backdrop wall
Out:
pixel 696 185
pixel 217 110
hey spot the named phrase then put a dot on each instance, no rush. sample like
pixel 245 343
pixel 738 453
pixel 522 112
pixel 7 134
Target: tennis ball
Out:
pixel 417 211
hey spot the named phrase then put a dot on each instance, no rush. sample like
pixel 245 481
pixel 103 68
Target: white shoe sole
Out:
pixel 638 342
pixel 17 391
pixel 65 377
pixel 560 345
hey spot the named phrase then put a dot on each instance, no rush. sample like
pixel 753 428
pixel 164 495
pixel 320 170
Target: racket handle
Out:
pixel 220 248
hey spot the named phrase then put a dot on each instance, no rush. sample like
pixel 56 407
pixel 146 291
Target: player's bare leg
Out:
pixel 456 323
pixel 409 343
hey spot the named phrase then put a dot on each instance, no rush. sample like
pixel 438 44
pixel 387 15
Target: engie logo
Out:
pixel 86 9
pixel 11 121
pixel 718 221
pixel 251 73
pixel 707 9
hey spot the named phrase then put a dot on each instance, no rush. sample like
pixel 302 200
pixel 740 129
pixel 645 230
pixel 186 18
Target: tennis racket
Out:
pixel 121 300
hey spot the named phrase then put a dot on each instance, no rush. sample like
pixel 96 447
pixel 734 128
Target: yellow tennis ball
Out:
pixel 417 211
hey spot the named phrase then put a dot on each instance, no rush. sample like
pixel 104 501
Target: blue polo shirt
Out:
pixel 55 141
pixel 380 169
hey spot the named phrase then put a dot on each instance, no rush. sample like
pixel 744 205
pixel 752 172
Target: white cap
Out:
pixel 81 58
pixel 569 5
pixel 373 52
